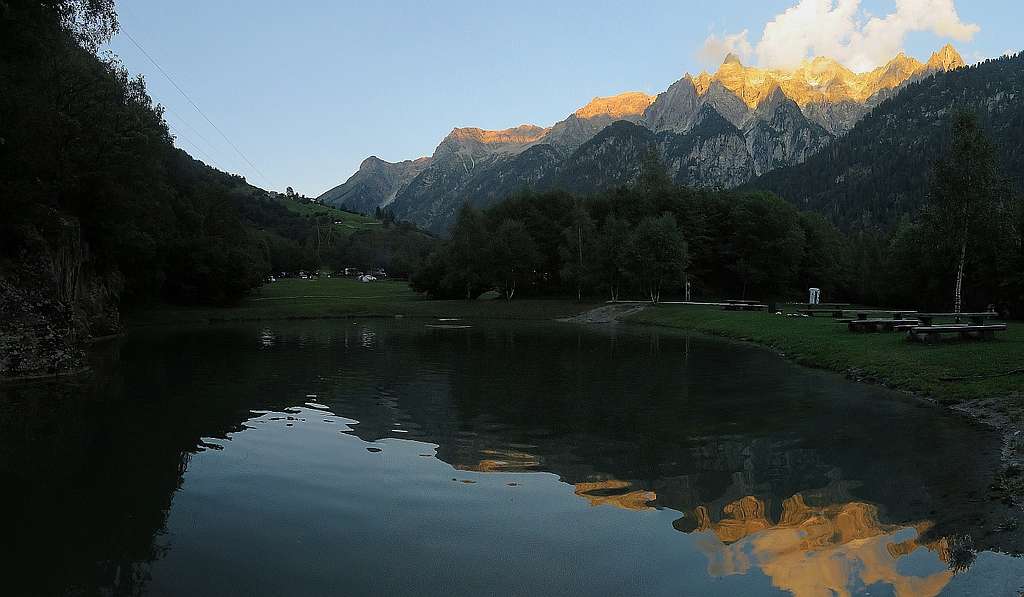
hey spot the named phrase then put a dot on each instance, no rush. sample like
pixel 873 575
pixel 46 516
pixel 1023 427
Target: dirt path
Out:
pixel 607 313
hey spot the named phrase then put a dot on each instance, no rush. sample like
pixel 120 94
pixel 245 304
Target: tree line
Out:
pixel 654 239
pixel 649 241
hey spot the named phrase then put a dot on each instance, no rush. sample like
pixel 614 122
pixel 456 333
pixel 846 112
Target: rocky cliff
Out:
pixel 52 299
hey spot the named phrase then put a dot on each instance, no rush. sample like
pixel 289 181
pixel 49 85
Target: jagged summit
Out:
pixel 822 79
pixel 371 162
pixel 630 103
pixel 524 133
pixel 946 58
pixel 375 163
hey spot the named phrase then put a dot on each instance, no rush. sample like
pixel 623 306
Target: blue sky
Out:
pixel 308 89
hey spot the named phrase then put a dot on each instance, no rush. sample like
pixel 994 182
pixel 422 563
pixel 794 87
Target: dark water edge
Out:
pixel 722 440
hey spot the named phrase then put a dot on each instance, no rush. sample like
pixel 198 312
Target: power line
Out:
pixel 182 120
pixel 201 113
pixel 181 135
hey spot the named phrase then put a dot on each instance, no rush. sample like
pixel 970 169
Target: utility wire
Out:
pixel 180 135
pixel 182 120
pixel 201 113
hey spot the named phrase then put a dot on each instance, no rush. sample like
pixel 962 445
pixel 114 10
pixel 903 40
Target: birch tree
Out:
pixel 964 198
pixel 578 252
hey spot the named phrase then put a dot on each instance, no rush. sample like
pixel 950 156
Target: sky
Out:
pixel 299 93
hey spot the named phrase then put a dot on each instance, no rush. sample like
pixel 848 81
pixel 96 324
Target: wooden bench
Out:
pixel 835 313
pixel 974 318
pixel 825 306
pixel 876 325
pixel 933 333
pixel 744 306
pixel 894 313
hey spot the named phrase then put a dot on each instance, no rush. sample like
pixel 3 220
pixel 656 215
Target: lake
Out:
pixel 414 457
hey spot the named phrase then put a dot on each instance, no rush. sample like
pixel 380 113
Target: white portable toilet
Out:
pixel 815 297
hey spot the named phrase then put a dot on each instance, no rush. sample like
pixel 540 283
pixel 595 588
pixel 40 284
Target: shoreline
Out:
pixel 1008 482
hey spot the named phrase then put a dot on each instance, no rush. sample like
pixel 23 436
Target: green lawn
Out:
pixel 342 297
pixel 884 357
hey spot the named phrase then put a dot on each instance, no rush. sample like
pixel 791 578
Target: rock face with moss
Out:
pixel 711 130
pixel 52 301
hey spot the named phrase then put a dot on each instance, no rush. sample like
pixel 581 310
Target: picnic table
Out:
pixel 974 318
pixel 821 305
pixel 834 313
pixel 894 313
pixel 744 305
pixel 931 333
pixel 976 327
pixel 876 325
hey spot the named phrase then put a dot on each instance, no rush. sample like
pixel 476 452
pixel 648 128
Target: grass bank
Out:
pixel 341 297
pixel 949 372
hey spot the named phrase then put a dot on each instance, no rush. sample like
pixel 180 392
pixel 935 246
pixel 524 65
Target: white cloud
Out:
pixel 716 48
pixel 839 29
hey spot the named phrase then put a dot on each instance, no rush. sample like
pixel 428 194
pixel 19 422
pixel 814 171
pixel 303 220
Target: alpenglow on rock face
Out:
pixel 711 130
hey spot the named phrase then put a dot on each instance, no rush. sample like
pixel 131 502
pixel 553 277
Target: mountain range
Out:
pixel 717 130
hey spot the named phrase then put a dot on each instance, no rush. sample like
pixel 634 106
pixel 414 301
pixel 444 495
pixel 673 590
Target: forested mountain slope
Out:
pixel 879 170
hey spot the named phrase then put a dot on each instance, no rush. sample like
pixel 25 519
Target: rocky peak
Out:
pixel 891 74
pixel 775 98
pixel 373 163
pixel 822 79
pixel 731 58
pixel 945 59
pixel 630 103
pixel 675 108
pixel 519 135
pixel 727 104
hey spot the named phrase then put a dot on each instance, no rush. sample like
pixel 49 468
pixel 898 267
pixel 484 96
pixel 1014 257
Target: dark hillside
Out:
pixel 879 171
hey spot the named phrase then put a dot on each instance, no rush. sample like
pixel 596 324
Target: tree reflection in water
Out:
pixel 621 417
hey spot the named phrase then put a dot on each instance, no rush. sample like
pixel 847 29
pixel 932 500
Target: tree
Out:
pixel 765 244
pixel 579 251
pixel 466 262
pixel 824 263
pixel 513 257
pixel 658 253
pixel 613 255
pixel 964 202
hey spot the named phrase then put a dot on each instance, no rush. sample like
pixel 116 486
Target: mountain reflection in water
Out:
pixel 183 466
pixel 830 550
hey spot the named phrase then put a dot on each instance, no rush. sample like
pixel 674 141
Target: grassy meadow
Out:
pixel 884 357
pixel 351 222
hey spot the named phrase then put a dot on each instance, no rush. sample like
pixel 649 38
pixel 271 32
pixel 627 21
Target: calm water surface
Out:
pixel 394 458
